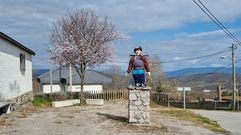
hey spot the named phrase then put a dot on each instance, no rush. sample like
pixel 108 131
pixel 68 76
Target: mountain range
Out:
pixel 177 73
pixel 204 70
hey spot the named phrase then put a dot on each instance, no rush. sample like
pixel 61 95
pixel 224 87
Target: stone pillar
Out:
pixel 138 107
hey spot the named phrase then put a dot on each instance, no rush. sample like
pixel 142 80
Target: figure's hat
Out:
pixel 137 48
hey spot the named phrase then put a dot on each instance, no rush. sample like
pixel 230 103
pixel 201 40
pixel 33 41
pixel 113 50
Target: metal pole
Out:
pixel 234 76
pixel 184 99
pixel 237 100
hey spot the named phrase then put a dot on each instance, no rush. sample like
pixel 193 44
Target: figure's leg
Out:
pixel 136 78
pixel 142 80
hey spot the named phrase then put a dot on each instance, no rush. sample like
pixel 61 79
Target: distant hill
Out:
pixel 206 70
pixel 208 81
pixel 38 72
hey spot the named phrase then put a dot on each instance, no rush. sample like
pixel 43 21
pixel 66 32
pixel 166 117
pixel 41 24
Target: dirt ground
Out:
pixel 109 119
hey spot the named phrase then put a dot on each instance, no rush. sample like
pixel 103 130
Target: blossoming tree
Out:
pixel 83 40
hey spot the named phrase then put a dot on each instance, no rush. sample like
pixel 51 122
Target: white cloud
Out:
pixel 29 21
pixel 211 34
pixel 216 65
pixel 178 58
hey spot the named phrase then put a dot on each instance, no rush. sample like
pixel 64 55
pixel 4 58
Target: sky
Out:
pixel 172 29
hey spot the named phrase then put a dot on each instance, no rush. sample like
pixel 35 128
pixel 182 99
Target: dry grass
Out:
pixel 27 110
pixel 2 121
pixel 189 116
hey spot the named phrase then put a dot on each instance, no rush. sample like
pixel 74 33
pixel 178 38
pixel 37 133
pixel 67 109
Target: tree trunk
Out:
pixel 82 76
pixel 81 72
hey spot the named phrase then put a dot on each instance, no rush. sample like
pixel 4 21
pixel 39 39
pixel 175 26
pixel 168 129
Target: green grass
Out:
pixel 195 118
pixel 42 101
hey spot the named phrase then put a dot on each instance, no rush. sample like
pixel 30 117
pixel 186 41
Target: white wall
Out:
pixel 12 82
pixel 75 88
pixel 47 89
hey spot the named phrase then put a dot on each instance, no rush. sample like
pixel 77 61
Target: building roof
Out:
pixel 17 44
pixel 91 77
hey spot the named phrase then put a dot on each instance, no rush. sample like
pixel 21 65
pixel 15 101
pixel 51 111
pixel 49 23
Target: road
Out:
pixel 228 120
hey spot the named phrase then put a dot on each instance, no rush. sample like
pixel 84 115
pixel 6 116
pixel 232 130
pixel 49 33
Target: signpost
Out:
pixel 184 89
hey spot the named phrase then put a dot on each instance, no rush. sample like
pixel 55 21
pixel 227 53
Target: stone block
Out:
pixel 132 96
pixel 65 103
pixel 133 107
pixel 142 108
pixel 137 115
pixel 139 101
pixel 132 120
pixel 95 101
pixel 145 94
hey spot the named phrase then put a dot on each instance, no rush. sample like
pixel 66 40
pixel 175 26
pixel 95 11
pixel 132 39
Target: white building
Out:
pixel 61 81
pixel 15 68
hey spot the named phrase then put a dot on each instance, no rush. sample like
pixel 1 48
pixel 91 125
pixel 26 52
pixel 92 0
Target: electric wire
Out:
pixel 220 22
pixel 217 22
pixel 210 73
pixel 187 59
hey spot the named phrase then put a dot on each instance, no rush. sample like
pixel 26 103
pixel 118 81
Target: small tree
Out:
pixel 84 40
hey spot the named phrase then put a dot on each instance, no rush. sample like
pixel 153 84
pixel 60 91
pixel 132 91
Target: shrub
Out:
pixel 41 100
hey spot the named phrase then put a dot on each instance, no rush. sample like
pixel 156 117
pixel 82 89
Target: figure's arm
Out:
pixel 130 66
pixel 146 64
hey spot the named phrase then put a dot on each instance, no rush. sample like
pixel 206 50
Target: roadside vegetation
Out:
pixel 42 101
pixel 45 100
pixel 189 116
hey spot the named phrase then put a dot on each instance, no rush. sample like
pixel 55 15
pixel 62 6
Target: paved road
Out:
pixel 228 120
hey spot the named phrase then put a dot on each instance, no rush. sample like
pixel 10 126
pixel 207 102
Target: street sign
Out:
pixel 184 88
pixel 187 88
pixel 179 88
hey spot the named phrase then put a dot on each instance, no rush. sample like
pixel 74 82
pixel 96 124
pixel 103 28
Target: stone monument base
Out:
pixel 138 107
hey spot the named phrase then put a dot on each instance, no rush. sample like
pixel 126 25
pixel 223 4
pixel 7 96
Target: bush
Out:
pixel 58 96
pixel 46 99
pixel 72 95
pixel 41 100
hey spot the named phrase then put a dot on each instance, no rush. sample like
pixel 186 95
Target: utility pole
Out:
pixel 234 76
pixel 184 98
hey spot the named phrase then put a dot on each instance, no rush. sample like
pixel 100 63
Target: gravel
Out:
pixel 109 119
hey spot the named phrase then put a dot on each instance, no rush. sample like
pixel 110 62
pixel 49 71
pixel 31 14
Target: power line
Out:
pixel 216 21
pixel 195 78
pixel 224 28
pixel 198 57
pixel 187 59
pixel 210 73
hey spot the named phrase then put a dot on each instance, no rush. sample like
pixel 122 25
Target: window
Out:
pixel 22 63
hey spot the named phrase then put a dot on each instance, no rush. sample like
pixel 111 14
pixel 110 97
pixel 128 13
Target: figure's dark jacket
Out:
pixel 132 60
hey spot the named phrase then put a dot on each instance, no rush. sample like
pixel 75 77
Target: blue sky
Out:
pixel 173 29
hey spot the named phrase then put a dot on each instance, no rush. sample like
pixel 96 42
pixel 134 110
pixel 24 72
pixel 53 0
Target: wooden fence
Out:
pixel 160 98
pixel 157 97
pixel 107 95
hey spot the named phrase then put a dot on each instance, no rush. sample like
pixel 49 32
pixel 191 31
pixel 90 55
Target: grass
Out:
pixel 192 117
pixel 46 100
pixel 42 101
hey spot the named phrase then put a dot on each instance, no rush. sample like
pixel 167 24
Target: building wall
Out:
pixel 13 82
pixel 75 88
